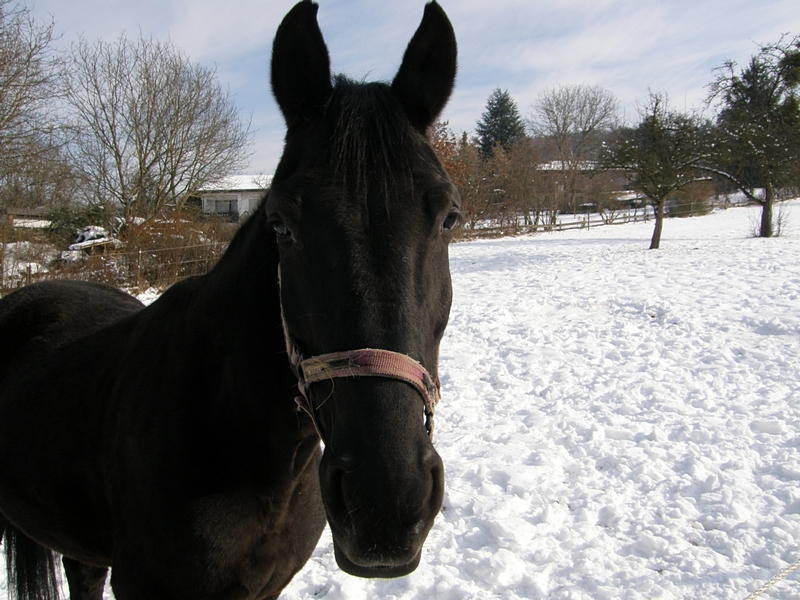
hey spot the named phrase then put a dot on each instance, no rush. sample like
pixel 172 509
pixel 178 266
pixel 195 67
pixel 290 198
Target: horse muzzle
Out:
pixel 375 568
pixel 381 502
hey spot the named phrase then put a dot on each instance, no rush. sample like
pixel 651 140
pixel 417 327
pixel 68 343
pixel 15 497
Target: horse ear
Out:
pixel 301 73
pixel 426 77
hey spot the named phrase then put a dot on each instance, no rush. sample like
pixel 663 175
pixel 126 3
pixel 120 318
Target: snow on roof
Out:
pixel 32 223
pixel 239 183
pixel 557 165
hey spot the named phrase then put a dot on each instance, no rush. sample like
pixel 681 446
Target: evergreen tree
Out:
pixel 500 124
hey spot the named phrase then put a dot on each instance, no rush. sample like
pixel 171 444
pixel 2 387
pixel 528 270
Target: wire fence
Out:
pixel 151 266
pixel 135 270
pixel 589 221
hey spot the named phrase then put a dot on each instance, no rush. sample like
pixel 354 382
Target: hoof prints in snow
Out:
pixel 616 422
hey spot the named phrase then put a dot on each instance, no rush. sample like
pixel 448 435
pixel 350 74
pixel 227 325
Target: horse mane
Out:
pixel 370 138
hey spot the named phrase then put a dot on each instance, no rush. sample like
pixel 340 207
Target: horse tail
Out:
pixel 31 568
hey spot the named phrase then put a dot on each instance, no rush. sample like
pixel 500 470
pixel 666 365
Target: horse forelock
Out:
pixel 373 147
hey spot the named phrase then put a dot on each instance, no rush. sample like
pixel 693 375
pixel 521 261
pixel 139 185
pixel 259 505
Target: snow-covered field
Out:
pixel 616 422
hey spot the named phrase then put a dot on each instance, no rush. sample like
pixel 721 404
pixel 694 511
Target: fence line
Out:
pixel 131 269
pixel 588 223
pixel 161 267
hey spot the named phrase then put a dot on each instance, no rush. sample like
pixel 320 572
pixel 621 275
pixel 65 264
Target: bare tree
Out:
pixel 523 183
pixel 473 185
pixel 150 127
pixel 604 187
pixel 572 118
pixel 461 158
pixel 661 155
pixel 757 145
pixel 29 70
pixel 448 149
pixel 501 187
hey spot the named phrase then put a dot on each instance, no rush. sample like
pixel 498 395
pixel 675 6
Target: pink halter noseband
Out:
pixel 367 362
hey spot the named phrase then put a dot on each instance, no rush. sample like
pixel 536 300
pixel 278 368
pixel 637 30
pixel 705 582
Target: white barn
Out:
pixel 236 197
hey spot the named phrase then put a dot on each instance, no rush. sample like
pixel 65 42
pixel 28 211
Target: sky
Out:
pixel 523 46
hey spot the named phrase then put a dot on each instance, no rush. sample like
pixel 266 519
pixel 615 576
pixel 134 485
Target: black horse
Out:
pixel 166 442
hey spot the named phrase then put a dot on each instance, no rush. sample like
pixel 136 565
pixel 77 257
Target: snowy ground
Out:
pixel 616 422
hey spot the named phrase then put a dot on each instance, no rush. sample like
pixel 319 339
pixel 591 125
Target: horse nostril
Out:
pixel 435 467
pixel 332 474
pixel 409 490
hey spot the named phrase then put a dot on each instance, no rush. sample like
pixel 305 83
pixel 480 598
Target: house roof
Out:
pixel 239 183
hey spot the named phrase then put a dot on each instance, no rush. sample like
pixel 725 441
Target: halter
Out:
pixel 367 362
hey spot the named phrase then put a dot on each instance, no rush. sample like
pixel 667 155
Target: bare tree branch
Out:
pixel 151 128
pixel 661 155
pixel 573 118
pixel 29 70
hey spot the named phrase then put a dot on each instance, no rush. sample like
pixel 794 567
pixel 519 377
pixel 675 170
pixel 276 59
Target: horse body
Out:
pixel 39 408
pixel 165 441
pixel 161 422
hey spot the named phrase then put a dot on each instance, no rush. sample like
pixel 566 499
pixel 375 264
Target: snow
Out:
pixel 616 422
pixel 93 235
pixel 148 296
pixel 24 258
pixel 32 223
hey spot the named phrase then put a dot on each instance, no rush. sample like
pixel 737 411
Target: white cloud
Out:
pixel 525 46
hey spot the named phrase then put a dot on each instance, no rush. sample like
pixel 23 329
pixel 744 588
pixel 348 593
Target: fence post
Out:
pixel 139 270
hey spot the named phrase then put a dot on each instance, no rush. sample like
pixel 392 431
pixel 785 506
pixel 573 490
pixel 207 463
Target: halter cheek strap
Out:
pixel 367 362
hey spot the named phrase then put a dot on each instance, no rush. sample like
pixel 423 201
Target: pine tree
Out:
pixel 500 123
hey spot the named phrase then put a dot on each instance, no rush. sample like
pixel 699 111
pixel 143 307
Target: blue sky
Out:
pixel 525 46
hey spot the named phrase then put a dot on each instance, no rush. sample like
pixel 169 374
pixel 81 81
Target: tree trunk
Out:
pixel 766 212
pixel 659 214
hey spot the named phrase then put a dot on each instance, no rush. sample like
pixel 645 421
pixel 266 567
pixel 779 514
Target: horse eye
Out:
pixel 281 229
pixel 451 221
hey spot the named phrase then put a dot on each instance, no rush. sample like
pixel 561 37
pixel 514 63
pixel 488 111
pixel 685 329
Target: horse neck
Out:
pixel 238 304
pixel 244 283
pixel 235 320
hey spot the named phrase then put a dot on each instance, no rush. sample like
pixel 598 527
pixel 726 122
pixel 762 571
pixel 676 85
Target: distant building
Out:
pixel 29 218
pixel 235 197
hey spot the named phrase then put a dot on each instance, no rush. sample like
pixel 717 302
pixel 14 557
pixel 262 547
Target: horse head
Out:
pixel 363 212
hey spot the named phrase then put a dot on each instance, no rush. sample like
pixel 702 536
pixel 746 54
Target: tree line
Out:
pixel 574 154
pixel 131 127
pixel 125 128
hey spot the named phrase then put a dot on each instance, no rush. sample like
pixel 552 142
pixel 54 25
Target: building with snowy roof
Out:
pixel 236 197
